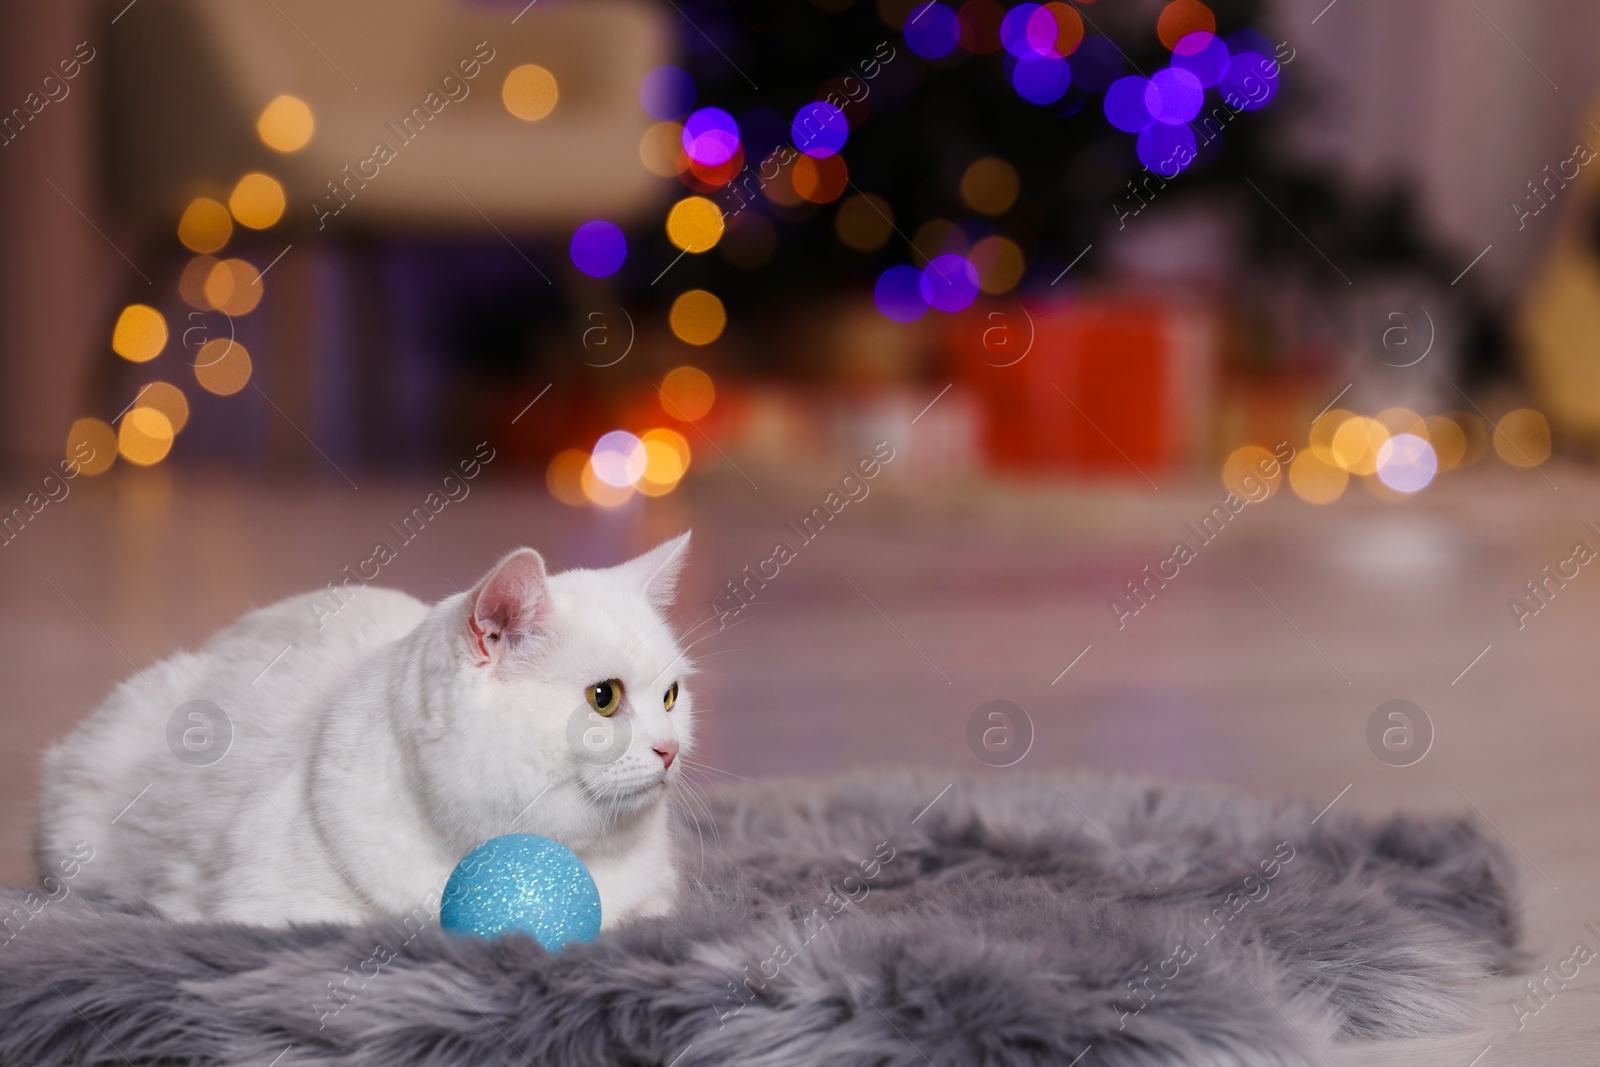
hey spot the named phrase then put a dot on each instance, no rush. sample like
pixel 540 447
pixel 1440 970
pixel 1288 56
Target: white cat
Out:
pixel 389 740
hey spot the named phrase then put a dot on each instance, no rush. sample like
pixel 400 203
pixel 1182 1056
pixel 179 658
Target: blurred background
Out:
pixel 1194 378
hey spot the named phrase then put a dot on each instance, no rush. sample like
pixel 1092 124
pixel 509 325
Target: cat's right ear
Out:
pixel 511 601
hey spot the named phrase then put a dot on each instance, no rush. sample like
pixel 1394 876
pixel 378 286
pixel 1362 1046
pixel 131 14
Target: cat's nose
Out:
pixel 668 751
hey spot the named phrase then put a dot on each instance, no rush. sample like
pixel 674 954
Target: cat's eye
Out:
pixel 605 696
pixel 670 697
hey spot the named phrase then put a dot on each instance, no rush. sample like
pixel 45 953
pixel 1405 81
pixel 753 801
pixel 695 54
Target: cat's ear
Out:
pixel 513 599
pixel 657 571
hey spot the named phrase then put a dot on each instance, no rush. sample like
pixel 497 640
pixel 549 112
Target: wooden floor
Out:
pixel 1257 667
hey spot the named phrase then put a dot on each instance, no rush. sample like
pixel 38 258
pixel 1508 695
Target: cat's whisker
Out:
pixel 703 766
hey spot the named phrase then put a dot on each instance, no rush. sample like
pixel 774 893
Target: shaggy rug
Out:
pixel 882 921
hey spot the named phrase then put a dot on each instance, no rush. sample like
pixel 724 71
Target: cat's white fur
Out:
pixel 390 739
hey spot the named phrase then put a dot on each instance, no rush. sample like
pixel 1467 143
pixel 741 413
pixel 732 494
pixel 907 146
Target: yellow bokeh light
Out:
pixel 1252 473
pixel 192 282
pixel 1316 480
pixel 999 264
pixel 564 476
pixel 694 224
pixel 937 237
pixel 1448 440
pixel 222 366
pixel 234 287
pixel 598 491
pixel 1403 420
pixel 140 333
pixel 167 399
pixel 660 147
pixel 286 124
pixel 205 226
pixel 92 445
pixel 1322 430
pixel 990 186
pixel 257 201
pixel 145 437
pixel 530 92
pixel 1522 438
pixel 697 317
pixel 1356 442
pixel 666 461
pixel 864 222
pixel 687 393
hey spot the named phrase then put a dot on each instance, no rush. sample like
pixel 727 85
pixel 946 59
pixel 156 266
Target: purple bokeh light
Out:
pixel 1166 149
pixel 1203 55
pixel 949 283
pixel 1125 104
pixel 932 30
pixel 667 93
pixel 598 249
pixel 710 136
pixel 1251 81
pixel 898 294
pixel 1173 96
pixel 1041 79
pixel 819 129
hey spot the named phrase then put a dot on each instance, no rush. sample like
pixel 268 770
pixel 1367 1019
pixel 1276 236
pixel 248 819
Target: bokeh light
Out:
pixel 1041 79
pixel 932 31
pixel 937 236
pixel 192 282
pixel 980 26
pixel 222 366
pixel 618 459
pixel 1315 480
pixel 95 439
pixel 1522 438
pixel 1399 420
pixel 1203 55
pixel 949 283
pixel 1448 440
pixel 999 263
pixel 1406 463
pixel 205 226
pixel 710 136
pixel 1015 35
pixel 167 399
pixel 597 491
pixel 660 147
pixel 687 394
pixel 694 224
pixel 1125 105
pixel 530 92
pixel 697 317
pixel 667 93
pixel 1173 96
pixel 1250 82
pixel 140 333
pixel 145 436
pixel 234 287
pixel 1165 149
pixel 820 180
pixel 666 461
pixel 864 222
pixel 1356 443
pixel 598 248
pixel 1244 473
pixel 898 294
pixel 990 185
pixel 564 477
pixel 819 129
pixel 257 201
pixel 1181 18
pixel 286 124
pixel 705 178
pixel 1069 28
pixel 1322 430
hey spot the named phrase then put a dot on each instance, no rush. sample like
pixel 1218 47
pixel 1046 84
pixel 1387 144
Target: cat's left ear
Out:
pixel 657 571
pixel 510 601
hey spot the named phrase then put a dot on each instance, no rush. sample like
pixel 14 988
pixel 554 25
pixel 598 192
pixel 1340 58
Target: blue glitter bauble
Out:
pixel 522 882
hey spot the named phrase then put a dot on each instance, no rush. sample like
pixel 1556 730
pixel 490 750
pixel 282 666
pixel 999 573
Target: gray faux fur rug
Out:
pixel 883 922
